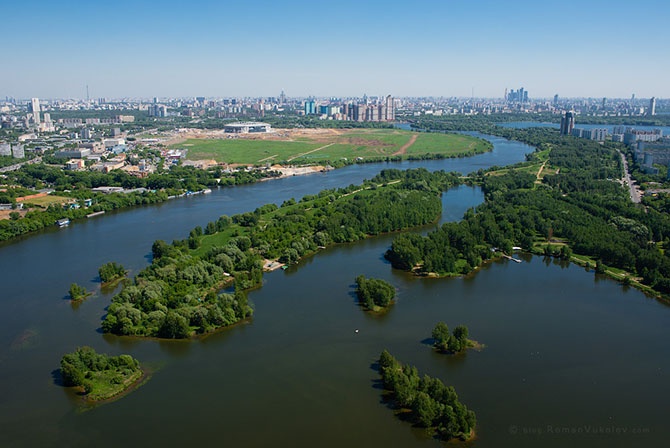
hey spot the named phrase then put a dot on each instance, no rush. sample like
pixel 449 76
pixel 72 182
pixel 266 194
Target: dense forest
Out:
pixel 432 404
pixel 580 208
pixel 177 295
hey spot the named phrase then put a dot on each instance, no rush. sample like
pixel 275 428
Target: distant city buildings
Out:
pixel 368 110
pixel 157 110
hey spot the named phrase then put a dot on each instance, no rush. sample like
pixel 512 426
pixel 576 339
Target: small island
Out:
pixel 111 272
pixel 78 293
pixel 428 401
pixel 100 377
pixel 374 294
pixel 456 342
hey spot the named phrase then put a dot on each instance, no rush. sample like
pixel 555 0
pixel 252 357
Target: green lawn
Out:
pixel 367 143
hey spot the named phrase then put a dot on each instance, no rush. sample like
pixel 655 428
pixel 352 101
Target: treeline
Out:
pixel 583 206
pixel 79 184
pixel 432 404
pixel 39 176
pixel 37 219
pixel 177 295
pixel 484 123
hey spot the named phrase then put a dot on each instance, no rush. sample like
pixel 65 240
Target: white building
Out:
pixel 18 152
pixel 35 109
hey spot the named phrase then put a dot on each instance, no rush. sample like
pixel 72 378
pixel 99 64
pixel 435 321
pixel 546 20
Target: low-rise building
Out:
pixel 77 153
pixel 75 165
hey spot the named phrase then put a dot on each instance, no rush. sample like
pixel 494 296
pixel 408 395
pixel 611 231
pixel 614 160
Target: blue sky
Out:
pixel 338 48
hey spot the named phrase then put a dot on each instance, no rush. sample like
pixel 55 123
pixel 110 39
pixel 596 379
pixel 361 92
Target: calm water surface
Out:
pixel 565 349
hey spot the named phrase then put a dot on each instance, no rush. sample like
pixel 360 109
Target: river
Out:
pixel 565 350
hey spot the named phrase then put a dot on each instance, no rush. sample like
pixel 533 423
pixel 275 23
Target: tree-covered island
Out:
pixel 456 342
pixel 374 294
pixel 110 272
pixel 178 296
pixel 99 376
pixel 77 293
pixel 428 401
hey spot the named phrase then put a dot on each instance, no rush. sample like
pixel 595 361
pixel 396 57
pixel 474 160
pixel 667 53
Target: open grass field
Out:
pixel 331 146
pixel 48 200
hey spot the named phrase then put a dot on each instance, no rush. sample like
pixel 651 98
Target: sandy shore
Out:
pixel 287 171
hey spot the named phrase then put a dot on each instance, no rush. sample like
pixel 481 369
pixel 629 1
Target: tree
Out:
pixel 175 326
pixel 441 336
pixel 452 343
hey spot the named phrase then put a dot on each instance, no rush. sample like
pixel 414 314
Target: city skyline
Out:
pixel 173 49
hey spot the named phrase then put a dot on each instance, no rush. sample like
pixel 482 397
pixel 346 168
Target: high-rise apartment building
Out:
pixel 567 123
pixel 652 106
pixel 35 109
pixel 390 108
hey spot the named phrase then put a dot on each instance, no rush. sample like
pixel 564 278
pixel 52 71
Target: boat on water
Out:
pixel 63 222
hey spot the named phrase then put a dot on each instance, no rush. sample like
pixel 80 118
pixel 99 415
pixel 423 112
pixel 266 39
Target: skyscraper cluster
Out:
pixel 519 96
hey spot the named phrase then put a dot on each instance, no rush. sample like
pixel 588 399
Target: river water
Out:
pixel 570 358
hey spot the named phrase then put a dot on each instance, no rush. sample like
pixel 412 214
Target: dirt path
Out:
pixel 309 152
pixel 406 146
pixel 539 172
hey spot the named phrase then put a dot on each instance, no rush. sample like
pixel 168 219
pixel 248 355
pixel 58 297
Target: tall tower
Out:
pixel 567 123
pixel 652 106
pixel 35 109
pixel 390 109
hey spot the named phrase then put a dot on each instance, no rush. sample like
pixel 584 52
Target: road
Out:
pixel 634 192
pixel 19 165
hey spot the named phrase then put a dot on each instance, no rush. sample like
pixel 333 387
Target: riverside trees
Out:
pixel 580 204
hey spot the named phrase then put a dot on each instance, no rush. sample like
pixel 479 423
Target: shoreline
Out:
pixel 143 378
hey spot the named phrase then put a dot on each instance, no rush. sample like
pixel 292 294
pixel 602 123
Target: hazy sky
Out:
pixel 222 48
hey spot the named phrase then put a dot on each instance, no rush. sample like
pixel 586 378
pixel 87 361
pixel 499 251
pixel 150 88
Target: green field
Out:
pixel 350 145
